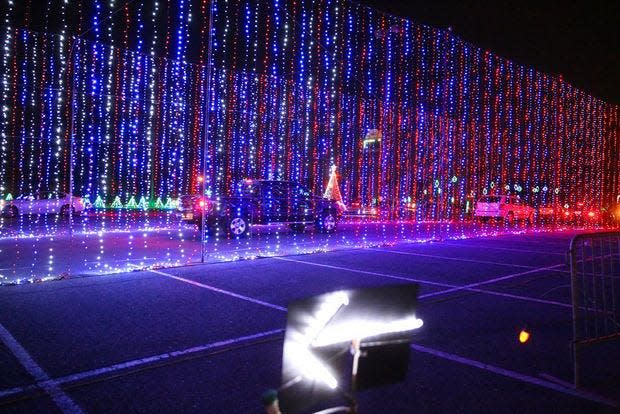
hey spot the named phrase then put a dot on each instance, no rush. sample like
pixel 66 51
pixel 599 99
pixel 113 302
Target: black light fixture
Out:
pixel 342 342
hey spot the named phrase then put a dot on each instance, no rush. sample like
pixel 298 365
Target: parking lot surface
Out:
pixel 208 338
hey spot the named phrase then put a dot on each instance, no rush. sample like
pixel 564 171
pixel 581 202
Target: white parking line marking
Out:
pixel 189 351
pixel 491 281
pixel 459 259
pixel 17 390
pixel 143 361
pixel 508 249
pixel 519 297
pixel 218 290
pixel 452 288
pixel 165 356
pixel 367 272
pixel 515 375
pixel 62 400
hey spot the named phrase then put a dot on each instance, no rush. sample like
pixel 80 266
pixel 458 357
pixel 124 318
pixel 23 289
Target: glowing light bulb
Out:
pixel 524 336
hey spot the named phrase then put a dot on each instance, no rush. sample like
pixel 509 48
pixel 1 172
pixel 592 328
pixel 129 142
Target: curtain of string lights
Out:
pixel 110 98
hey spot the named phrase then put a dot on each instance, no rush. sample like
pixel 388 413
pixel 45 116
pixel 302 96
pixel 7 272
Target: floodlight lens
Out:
pixel 311 367
pixel 361 329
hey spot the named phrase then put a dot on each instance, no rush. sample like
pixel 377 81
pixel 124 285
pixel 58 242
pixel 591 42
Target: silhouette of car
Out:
pixel 259 202
pixel 43 202
pixel 585 214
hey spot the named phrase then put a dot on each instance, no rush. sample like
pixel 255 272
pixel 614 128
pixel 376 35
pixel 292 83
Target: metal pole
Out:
pixel 71 137
pixel 575 311
pixel 357 353
pixel 206 135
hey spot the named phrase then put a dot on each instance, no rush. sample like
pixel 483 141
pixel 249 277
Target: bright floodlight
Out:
pixel 311 367
pixel 332 338
pixel 363 329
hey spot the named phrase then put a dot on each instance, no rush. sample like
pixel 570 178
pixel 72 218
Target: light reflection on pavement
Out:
pixel 41 248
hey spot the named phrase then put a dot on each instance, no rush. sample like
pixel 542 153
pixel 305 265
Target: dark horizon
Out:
pixel 578 41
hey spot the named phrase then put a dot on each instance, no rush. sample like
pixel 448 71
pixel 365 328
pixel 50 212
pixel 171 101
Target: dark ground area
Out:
pixel 208 338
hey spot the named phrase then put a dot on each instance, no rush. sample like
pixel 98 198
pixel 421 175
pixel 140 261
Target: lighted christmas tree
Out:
pixel 131 204
pixel 8 197
pixel 143 204
pixel 99 202
pixel 171 204
pixel 332 191
pixel 86 201
pixel 117 203
pixel 159 204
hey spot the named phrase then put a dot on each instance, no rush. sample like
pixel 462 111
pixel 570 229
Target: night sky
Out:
pixel 578 40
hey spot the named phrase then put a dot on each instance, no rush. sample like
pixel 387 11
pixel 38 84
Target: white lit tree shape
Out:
pixel 332 192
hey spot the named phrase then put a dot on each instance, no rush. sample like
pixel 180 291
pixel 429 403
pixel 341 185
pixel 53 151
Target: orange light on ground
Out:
pixel 524 336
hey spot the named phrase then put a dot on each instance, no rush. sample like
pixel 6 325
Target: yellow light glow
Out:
pixel 524 336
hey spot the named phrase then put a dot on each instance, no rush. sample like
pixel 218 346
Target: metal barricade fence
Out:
pixel 595 285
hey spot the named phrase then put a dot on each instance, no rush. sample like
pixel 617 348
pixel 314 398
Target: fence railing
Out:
pixel 595 284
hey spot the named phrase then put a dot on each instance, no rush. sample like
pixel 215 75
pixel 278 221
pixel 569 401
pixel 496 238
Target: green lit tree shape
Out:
pixel 159 204
pixel 117 203
pixel 86 201
pixel 171 204
pixel 131 204
pixel 143 204
pixel 8 197
pixel 99 202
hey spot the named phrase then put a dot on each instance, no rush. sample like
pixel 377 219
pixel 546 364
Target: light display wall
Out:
pixel 307 81
pixel 297 86
pixel 113 101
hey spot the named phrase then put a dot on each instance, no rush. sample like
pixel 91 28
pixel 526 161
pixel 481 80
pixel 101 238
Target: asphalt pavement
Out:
pixel 208 338
pixel 47 247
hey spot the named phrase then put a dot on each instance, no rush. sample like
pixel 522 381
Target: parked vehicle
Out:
pixel 407 211
pixel 358 210
pixel 508 208
pixel 43 202
pixel 257 202
pixel 554 213
pixel 611 215
pixel 549 214
pixel 578 214
pixel 585 214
